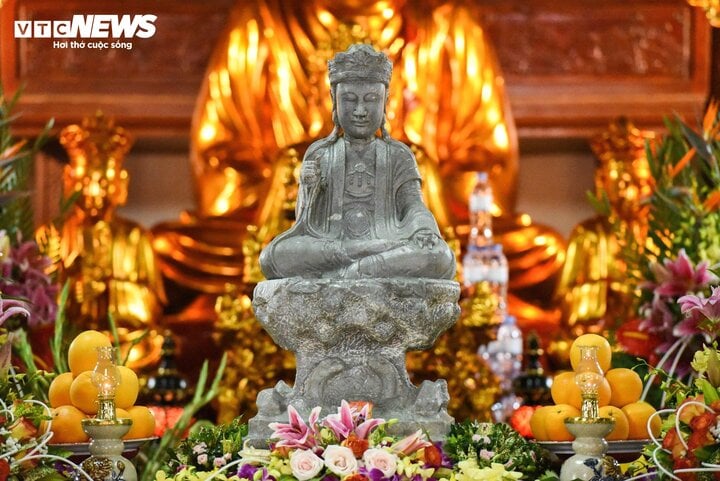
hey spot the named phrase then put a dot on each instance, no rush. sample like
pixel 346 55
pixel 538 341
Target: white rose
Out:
pixel 340 460
pixel 305 464
pixel 380 459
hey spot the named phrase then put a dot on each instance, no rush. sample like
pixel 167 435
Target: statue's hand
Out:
pixel 310 171
pixel 425 239
pixel 357 249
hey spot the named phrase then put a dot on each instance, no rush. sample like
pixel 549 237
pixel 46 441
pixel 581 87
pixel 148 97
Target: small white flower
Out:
pixel 381 459
pixel 485 454
pixel 305 464
pixel 340 460
pixel 219 462
pixel 202 458
pixel 200 448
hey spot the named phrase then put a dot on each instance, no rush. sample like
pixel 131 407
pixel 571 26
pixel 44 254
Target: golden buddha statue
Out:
pixel 266 96
pixel 107 260
pixel 595 291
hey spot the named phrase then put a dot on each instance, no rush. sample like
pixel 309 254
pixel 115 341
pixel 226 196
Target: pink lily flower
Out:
pixel 678 277
pixel 12 307
pixel 296 433
pixel 345 422
pixel 411 443
pixel 700 313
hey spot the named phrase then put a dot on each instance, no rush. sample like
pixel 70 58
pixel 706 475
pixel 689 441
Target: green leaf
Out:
pixel 59 353
pixel 709 391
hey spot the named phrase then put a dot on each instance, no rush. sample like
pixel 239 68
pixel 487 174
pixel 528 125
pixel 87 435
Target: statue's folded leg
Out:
pixel 303 256
pixel 405 261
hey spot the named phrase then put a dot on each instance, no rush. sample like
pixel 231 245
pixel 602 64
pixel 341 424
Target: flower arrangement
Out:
pixel 23 274
pixel 689 446
pixel 682 245
pixel 351 445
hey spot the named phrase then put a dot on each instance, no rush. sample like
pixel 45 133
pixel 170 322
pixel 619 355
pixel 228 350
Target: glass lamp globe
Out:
pixel 588 377
pixel 106 378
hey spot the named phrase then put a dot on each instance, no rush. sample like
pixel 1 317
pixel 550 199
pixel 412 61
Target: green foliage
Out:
pixel 496 443
pixel 684 205
pixel 16 162
pixel 58 345
pixel 161 453
pixel 222 441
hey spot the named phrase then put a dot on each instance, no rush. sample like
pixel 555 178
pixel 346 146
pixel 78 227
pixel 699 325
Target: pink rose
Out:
pixel 305 464
pixel 340 460
pixel 382 460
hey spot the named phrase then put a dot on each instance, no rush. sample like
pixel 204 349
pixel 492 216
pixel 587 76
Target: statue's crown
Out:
pixel 360 62
pixel 96 144
pixel 622 142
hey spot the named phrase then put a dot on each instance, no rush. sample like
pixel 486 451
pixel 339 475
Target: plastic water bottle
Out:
pixel 504 358
pixel 486 271
pixel 480 207
pixel 485 267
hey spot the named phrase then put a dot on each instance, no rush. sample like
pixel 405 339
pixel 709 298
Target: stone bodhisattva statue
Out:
pixel 363 275
pixel 360 211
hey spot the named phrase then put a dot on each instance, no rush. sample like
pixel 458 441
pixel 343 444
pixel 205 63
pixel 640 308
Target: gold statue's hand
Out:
pixel 425 239
pixel 357 249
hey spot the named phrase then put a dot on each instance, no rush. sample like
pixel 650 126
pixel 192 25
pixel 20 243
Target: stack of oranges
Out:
pixel 73 396
pixel 619 398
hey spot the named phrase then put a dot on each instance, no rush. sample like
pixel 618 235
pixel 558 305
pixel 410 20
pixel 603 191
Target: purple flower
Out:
pixel 23 274
pixel 9 308
pixel 266 476
pixel 678 277
pixel 296 433
pixel 247 471
pixel 700 314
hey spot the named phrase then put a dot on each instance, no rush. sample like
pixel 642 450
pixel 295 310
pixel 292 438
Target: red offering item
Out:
pixel 520 420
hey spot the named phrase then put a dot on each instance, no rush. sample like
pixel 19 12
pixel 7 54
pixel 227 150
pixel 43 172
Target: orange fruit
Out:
pixel 82 353
pixel 67 425
pixel 127 391
pixel 120 413
pixel 59 391
pixel 564 390
pixel 604 352
pixel 83 393
pixel 626 386
pixel 622 427
pixel 143 423
pixel 638 414
pixel 555 421
pixel 537 424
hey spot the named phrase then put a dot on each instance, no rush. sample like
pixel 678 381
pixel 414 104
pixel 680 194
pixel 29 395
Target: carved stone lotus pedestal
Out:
pixel 350 338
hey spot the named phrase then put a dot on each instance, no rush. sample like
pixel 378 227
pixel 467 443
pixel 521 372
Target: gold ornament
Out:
pixel 254 361
pixel 595 291
pixel 107 260
pixel 266 93
pixel 712 10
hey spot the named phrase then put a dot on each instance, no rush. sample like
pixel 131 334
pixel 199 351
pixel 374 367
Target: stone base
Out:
pixel 350 338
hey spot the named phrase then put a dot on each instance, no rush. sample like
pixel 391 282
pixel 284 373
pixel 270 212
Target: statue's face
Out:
pixel 101 191
pixel 360 107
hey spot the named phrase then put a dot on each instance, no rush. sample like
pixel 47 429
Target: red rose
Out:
pixel 684 463
pixel 357 445
pixel 703 422
pixel 432 456
pixel 4 469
